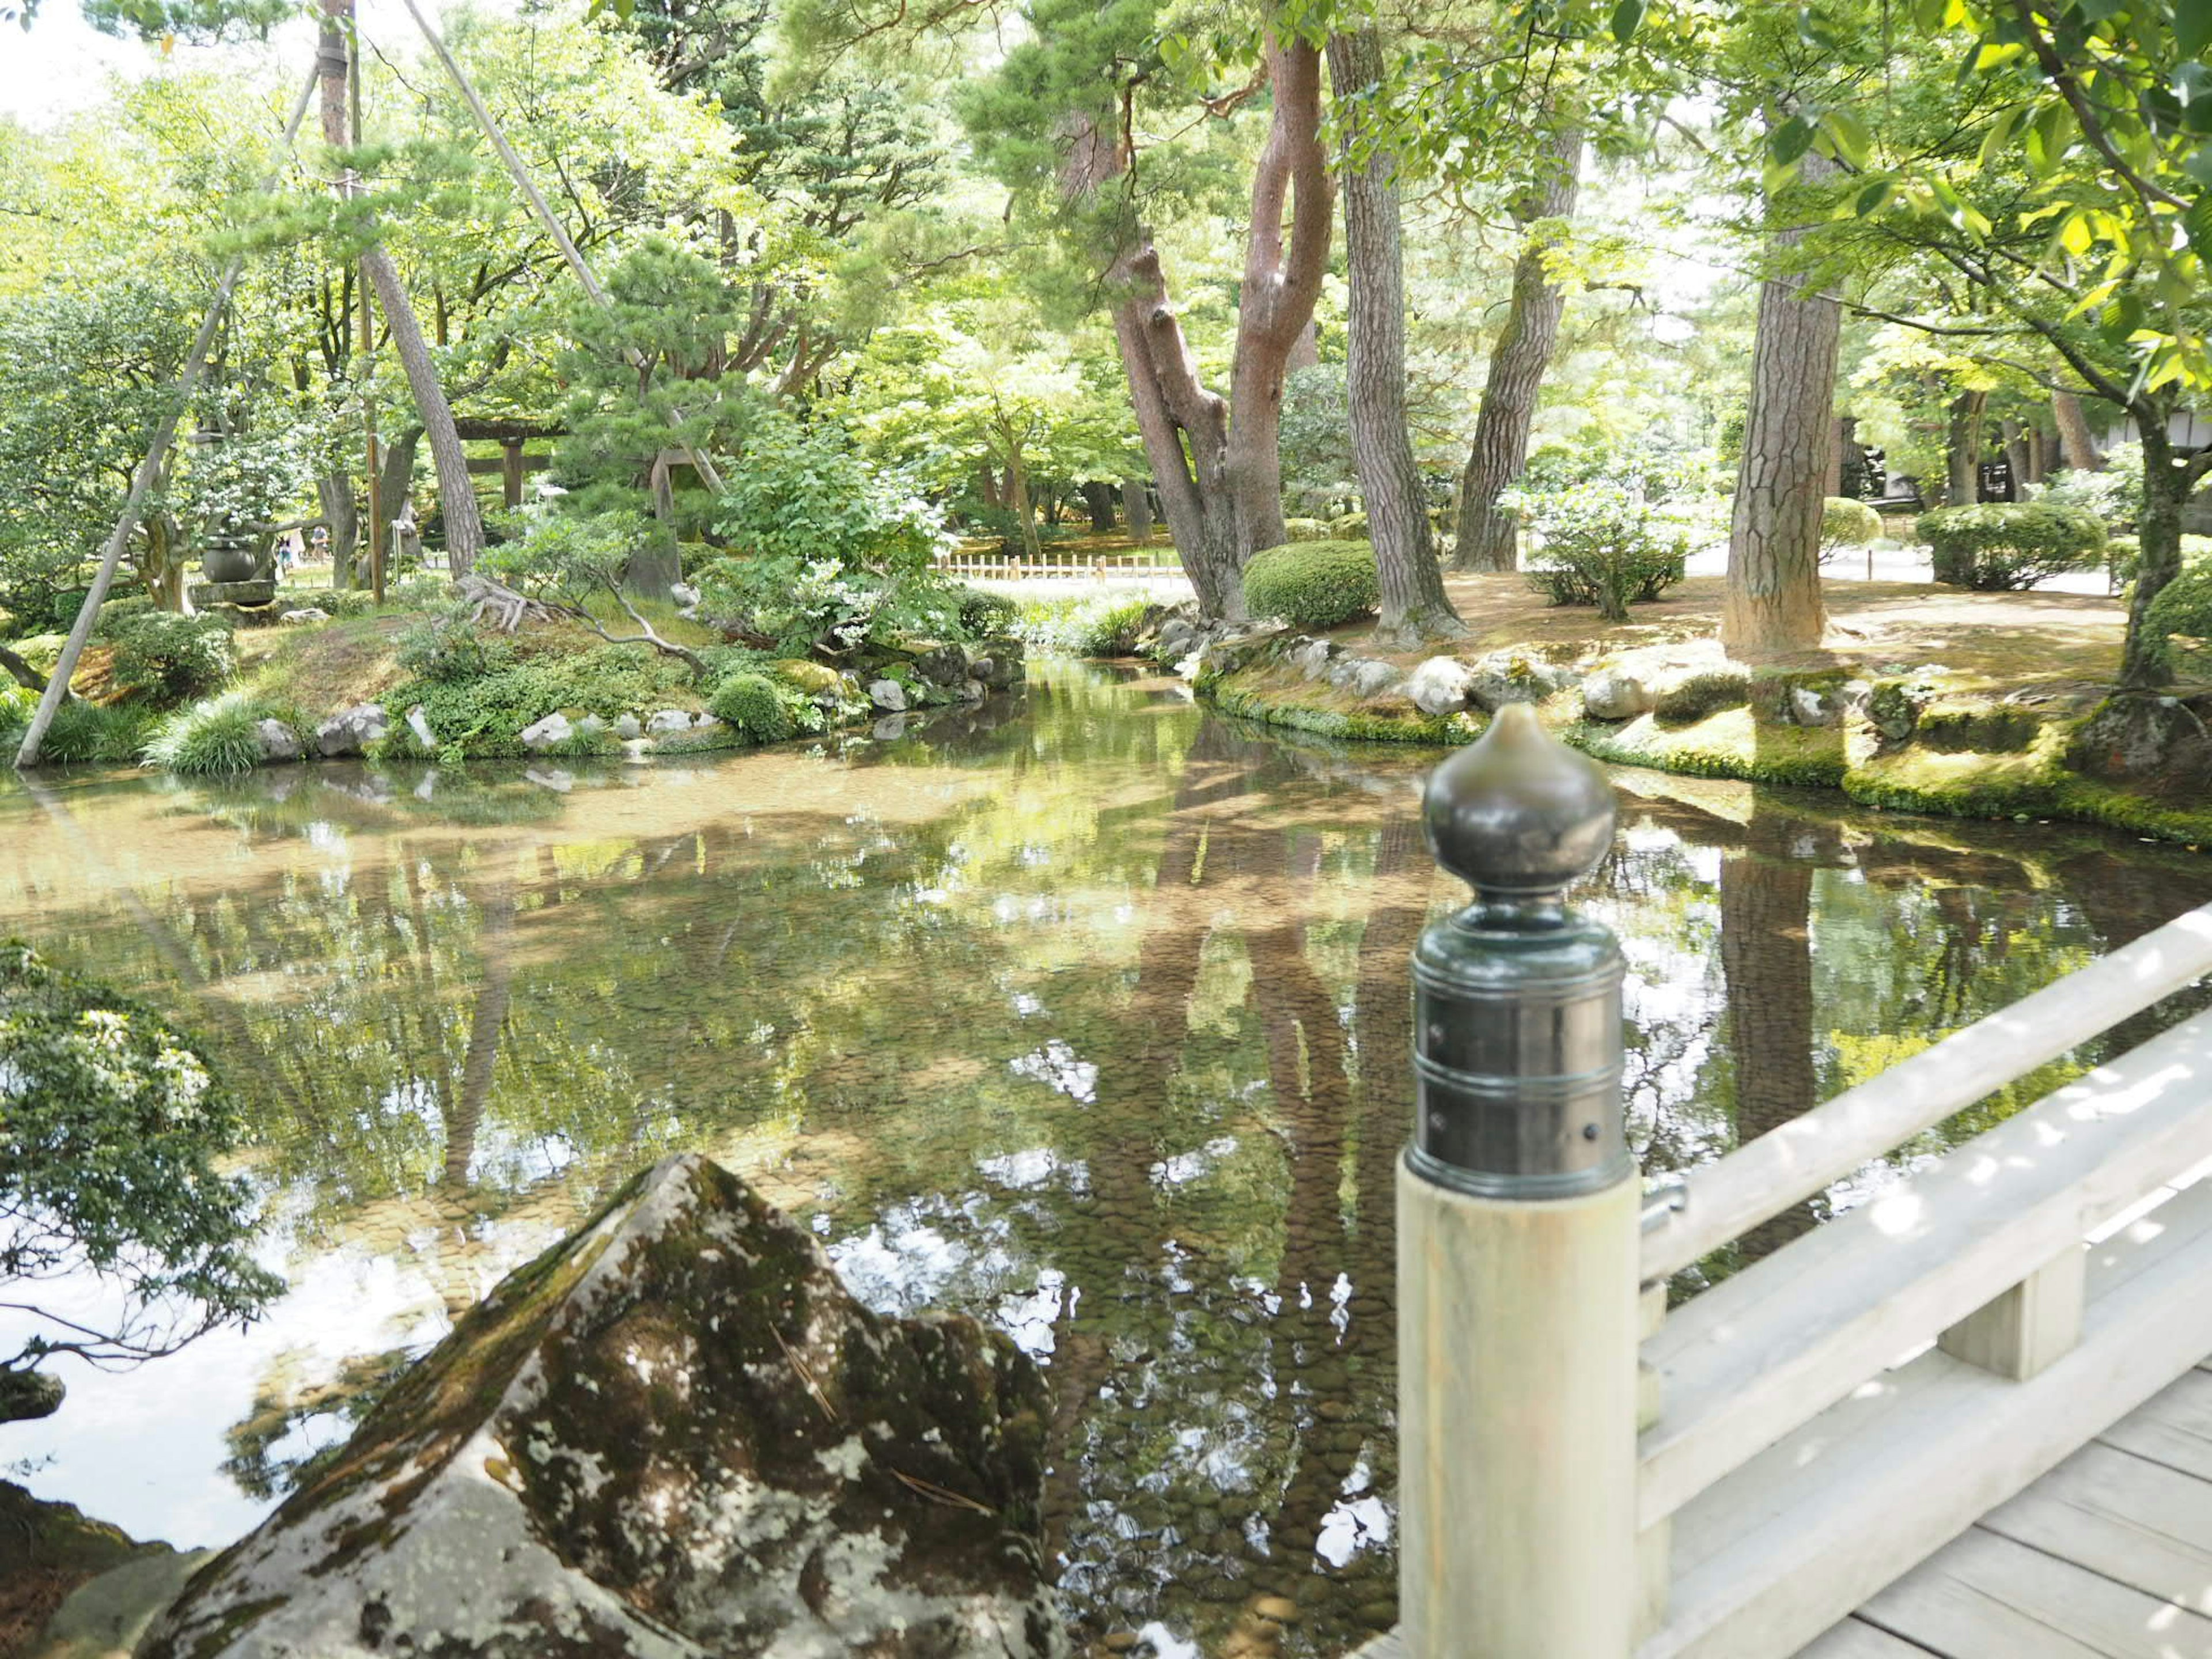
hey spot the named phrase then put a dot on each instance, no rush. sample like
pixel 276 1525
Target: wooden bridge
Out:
pixel 1969 1417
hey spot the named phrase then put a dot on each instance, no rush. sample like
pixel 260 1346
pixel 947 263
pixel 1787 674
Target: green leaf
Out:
pixel 2196 223
pixel 2193 25
pixel 1849 135
pixel 1788 143
pixel 1627 16
pixel 2198 164
pixel 1870 199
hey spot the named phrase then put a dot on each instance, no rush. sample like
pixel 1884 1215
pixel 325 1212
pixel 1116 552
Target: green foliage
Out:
pixel 485 713
pixel 216 738
pixel 1846 523
pixel 112 1127
pixel 1094 625
pixel 1306 530
pixel 167 657
pixel 2183 612
pixel 448 646
pixel 827 552
pixel 82 733
pixel 1997 546
pixel 2114 497
pixel 1599 544
pixel 982 614
pixel 754 705
pixel 1313 584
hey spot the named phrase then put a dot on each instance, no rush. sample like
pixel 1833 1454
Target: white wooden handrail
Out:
pixel 1773 1347
pixel 1800 1158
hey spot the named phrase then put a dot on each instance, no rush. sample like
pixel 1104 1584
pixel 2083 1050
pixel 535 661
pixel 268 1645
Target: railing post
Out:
pixel 1517 1230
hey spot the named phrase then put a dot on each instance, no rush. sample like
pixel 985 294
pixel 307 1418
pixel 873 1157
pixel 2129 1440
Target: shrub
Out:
pixel 2123 556
pixel 982 614
pixel 2183 611
pixel 2113 496
pixel 1999 546
pixel 1347 526
pixel 84 733
pixel 1101 625
pixel 215 738
pixel 1313 584
pixel 168 657
pixel 1306 530
pixel 449 645
pixel 1846 523
pixel 1601 545
pixel 752 703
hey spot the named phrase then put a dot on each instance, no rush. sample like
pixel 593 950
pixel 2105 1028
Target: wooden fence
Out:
pixel 1063 566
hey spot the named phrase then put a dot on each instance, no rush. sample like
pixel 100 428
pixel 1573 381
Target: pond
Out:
pixel 1084 1011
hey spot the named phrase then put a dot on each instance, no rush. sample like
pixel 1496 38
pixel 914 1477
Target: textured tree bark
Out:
pixel 2038 454
pixel 1221 486
pixel 1487 539
pixel 334 493
pixel 2015 448
pixel 1773 605
pixel 1414 607
pixel 1836 448
pixel 2158 535
pixel 1962 450
pixel 1137 508
pixel 395 481
pixel 2077 449
pixel 1098 498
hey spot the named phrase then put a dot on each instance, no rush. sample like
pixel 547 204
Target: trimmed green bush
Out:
pixel 167 657
pixel 752 704
pixel 983 614
pixel 2002 546
pixel 1347 526
pixel 1601 545
pixel 1846 523
pixel 215 738
pixel 2182 611
pixel 1308 530
pixel 1314 584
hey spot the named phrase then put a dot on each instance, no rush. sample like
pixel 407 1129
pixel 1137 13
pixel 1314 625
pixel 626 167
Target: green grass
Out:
pixel 215 738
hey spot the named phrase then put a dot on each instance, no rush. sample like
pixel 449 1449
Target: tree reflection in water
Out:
pixel 1088 1014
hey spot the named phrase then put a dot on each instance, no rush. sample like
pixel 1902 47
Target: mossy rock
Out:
pixel 1983 728
pixel 816 679
pixel 1694 697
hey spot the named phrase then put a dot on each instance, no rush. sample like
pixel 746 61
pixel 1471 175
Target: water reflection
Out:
pixel 1086 1013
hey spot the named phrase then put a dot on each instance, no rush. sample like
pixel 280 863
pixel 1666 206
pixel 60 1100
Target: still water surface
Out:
pixel 1085 1011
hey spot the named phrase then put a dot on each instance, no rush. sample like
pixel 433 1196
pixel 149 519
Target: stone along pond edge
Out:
pixel 1913 741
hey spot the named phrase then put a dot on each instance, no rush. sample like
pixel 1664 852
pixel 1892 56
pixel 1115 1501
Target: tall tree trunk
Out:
pixel 987 486
pixel 1305 350
pixel 1017 498
pixel 2016 449
pixel 456 495
pixel 1838 453
pixel 334 491
pixel 1414 607
pixel 2038 453
pixel 395 482
pixel 1221 487
pixel 2077 449
pixel 163 567
pixel 2158 535
pixel 1098 497
pixel 1773 605
pixel 1137 508
pixel 1487 539
pixel 1962 450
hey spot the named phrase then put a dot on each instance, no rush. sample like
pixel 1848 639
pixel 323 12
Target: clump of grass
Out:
pixel 1098 625
pixel 82 733
pixel 214 737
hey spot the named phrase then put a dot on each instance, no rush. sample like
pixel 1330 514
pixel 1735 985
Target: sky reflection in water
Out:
pixel 1085 1012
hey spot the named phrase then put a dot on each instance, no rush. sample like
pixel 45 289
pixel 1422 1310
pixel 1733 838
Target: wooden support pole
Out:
pixel 511 473
pixel 2036 1322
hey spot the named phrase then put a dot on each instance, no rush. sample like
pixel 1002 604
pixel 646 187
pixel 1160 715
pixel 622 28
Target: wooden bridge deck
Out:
pixel 2109 1556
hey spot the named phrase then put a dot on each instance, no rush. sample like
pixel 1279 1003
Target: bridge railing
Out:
pixel 1777 1449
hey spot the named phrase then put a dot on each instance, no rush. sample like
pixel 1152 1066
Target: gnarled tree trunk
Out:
pixel 1137 508
pixel 1221 485
pixel 1962 450
pixel 1414 607
pixel 1098 499
pixel 1487 539
pixel 1773 604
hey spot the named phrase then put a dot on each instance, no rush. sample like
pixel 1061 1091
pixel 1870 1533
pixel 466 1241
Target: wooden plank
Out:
pixel 2028 1326
pixel 1769 1347
pixel 1854 1639
pixel 1800 1157
pixel 1793 1541
pixel 2173 1428
pixel 1987 1597
pixel 2141 1523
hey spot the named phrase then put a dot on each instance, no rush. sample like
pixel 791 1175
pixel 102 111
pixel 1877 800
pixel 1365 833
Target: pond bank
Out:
pixel 1929 700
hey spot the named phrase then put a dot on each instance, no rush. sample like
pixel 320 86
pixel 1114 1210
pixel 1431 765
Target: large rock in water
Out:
pixel 674 1435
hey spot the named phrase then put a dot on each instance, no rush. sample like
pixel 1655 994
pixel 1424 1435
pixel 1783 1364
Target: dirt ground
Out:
pixel 2008 638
